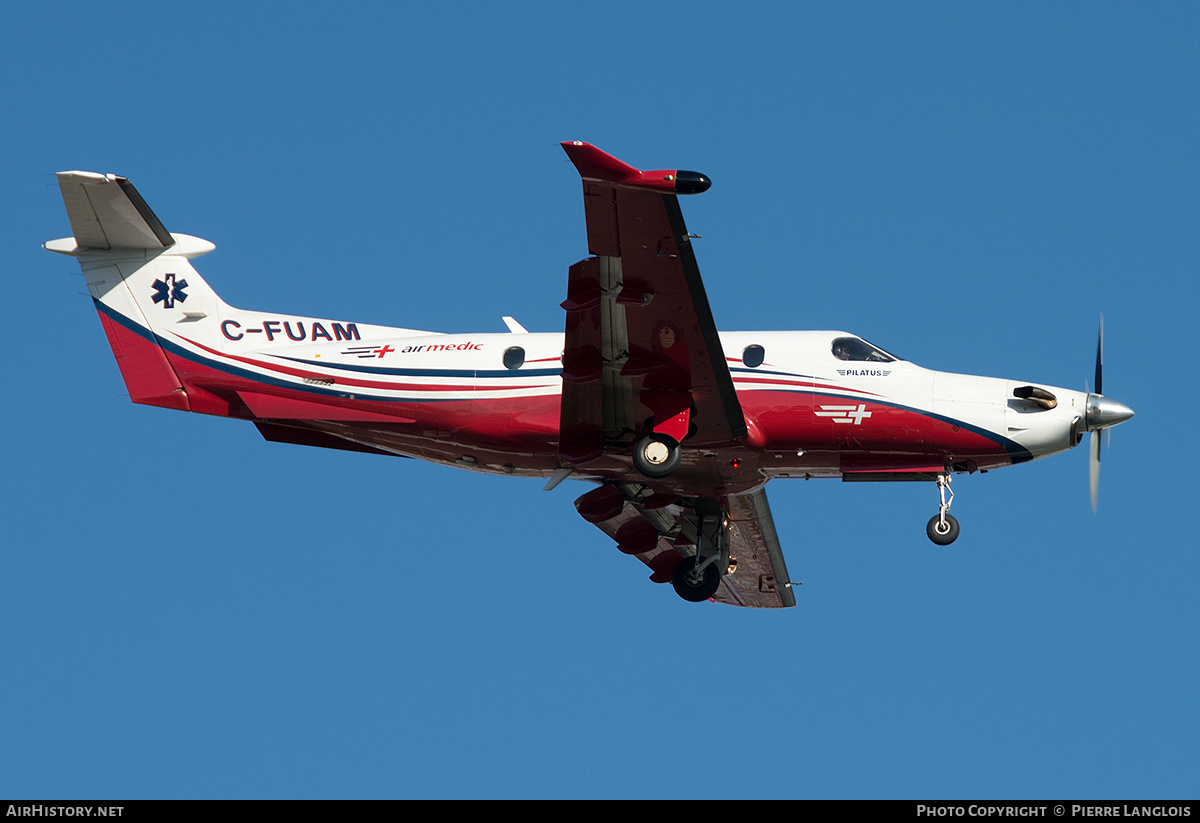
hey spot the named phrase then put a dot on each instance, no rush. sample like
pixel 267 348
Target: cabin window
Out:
pixel 514 358
pixel 854 348
pixel 753 356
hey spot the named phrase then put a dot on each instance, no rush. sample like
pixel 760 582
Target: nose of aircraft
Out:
pixel 1103 412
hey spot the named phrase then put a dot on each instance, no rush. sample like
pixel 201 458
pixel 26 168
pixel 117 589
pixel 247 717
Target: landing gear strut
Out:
pixel 943 527
pixel 697 577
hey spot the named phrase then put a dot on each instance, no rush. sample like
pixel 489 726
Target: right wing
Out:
pixel 658 536
pixel 761 578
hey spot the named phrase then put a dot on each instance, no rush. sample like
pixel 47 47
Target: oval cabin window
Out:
pixel 514 358
pixel 753 356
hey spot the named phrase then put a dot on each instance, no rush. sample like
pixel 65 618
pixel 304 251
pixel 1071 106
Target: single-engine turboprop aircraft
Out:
pixel 678 426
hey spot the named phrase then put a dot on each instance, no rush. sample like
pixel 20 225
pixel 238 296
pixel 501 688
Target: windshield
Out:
pixel 857 349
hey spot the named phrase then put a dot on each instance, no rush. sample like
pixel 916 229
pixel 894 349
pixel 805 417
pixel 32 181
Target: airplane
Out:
pixel 677 427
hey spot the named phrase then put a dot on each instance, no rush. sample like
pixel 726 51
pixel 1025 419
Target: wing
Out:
pixel 659 535
pixel 642 353
pixel 761 577
pixel 641 343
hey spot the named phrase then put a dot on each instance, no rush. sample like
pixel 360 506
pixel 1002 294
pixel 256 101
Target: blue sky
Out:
pixel 187 610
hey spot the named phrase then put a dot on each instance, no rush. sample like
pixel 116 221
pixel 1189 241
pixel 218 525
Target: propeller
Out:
pixel 1094 443
pixel 1101 414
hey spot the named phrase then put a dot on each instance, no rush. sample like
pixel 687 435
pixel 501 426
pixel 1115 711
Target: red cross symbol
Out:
pixel 382 351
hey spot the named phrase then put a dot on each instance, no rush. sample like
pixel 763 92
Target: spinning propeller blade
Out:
pixel 1094 444
pixel 1101 414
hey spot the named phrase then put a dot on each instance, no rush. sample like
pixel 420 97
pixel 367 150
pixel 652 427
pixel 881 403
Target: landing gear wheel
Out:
pixel 942 533
pixel 656 455
pixel 695 586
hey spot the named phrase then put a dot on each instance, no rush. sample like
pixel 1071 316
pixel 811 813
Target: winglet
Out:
pixel 594 164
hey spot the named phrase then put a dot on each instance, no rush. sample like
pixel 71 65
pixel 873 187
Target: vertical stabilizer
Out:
pixel 176 342
pixel 139 276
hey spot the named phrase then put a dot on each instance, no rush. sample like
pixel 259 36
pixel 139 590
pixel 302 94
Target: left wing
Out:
pixel 642 354
pixel 639 332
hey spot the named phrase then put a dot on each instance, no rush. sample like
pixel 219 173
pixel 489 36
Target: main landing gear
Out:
pixel 657 455
pixel 696 580
pixel 697 577
pixel 943 527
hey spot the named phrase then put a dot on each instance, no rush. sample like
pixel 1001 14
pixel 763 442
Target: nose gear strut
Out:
pixel 943 527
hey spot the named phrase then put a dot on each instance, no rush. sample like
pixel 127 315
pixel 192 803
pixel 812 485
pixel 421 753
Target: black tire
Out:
pixel 695 592
pixel 942 535
pixel 650 459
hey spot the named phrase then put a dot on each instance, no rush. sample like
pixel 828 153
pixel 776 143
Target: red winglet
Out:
pixel 594 164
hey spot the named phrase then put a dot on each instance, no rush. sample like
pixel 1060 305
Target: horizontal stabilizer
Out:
pixel 106 212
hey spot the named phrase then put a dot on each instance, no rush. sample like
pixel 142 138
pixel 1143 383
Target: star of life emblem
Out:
pixel 845 414
pixel 168 290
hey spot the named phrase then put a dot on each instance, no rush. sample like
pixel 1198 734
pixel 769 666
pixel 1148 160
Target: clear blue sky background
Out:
pixel 189 611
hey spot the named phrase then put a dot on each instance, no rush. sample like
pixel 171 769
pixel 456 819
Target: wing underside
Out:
pixel 761 577
pixel 661 535
pixel 642 359
pixel 641 343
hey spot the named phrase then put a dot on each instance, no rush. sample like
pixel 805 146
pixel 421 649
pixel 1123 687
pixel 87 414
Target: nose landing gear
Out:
pixel 943 527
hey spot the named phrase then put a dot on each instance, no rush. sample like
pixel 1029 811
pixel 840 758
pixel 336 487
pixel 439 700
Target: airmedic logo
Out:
pixel 468 346
pixel 845 414
pixel 363 352
pixel 168 290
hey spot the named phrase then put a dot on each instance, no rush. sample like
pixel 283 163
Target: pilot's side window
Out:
pixel 514 358
pixel 753 356
pixel 854 348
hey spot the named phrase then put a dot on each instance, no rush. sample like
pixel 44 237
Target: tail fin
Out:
pixel 177 344
pixel 106 213
pixel 139 276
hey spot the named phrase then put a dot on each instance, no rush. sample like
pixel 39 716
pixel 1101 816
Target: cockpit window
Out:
pixel 854 348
